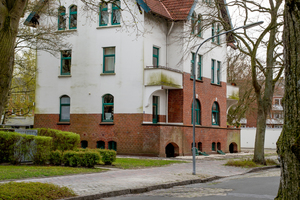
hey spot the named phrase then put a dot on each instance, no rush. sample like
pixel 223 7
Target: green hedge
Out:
pixel 62 140
pixel 78 158
pixel 14 147
pixel 56 157
pixel 107 156
pixel 7 143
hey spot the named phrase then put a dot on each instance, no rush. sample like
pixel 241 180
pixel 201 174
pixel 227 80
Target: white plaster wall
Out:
pixel 85 86
pixel 248 137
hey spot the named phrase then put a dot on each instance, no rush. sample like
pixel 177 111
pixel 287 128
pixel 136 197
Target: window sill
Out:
pixel 107 74
pixel 199 80
pixel 63 123
pixel 106 123
pixel 63 76
pixel 67 30
pixel 109 26
pixel 216 84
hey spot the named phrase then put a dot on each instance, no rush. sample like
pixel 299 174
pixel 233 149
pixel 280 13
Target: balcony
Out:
pixel 167 78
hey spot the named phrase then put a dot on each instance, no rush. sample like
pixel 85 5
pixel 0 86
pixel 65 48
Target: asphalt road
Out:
pixel 261 186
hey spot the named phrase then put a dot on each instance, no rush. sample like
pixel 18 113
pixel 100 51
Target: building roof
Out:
pixel 171 9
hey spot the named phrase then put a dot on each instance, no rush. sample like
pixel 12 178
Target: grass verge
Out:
pixel 248 163
pixel 20 172
pixel 22 191
pixel 133 163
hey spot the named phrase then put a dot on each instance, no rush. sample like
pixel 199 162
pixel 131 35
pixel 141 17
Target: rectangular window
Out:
pixel 199 28
pixel 103 21
pixel 66 62
pixel 213 71
pixel 213 31
pixel 155 56
pixel 116 14
pixel 192 65
pixel 219 72
pixel 109 60
pixel 64 109
pixel 61 18
pixel 199 67
pixel 155 110
pixel 277 102
pixel 218 37
pixel 73 17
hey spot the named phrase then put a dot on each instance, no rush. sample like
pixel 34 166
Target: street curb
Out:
pixel 143 189
pixel 161 186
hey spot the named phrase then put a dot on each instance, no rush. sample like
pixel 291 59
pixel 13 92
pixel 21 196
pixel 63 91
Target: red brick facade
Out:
pixel 134 136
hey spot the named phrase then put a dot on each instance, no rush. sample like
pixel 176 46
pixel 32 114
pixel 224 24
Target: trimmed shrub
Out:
pixel 90 159
pixel 62 140
pixel 56 157
pixel 107 156
pixel 81 158
pixel 7 144
pixel 42 149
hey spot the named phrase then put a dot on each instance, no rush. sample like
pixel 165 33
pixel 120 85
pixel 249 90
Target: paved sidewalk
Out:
pixel 117 179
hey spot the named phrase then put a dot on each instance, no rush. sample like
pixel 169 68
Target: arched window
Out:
pixel 193 22
pixel 101 145
pixel 73 17
pixel 64 115
pixel 200 146
pixel 218 146
pixel 197 113
pixel 108 108
pixel 62 18
pixel 199 26
pixel 116 14
pixel 103 16
pixel 213 146
pixel 112 145
pixel 215 114
pixel 84 144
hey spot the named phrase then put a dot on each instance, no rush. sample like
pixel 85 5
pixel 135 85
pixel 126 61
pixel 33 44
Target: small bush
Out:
pixel 34 190
pixel 62 140
pixel 42 149
pixel 56 157
pixel 107 156
pixel 90 159
pixel 7 144
pixel 81 158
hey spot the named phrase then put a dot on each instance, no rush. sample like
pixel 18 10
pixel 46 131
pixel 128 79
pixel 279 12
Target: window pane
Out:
pixel 155 51
pixel 66 66
pixel 104 18
pixel 108 99
pixel 62 22
pixel 73 9
pixel 214 118
pixel 116 16
pixel 108 112
pixel 65 113
pixel 109 63
pixel 73 21
pixel 65 100
pixel 154 61
pixel 66 53
pixel 109 51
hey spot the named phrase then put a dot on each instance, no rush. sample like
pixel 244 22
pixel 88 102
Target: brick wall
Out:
pixel 175 106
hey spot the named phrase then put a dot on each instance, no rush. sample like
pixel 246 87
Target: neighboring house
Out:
pixel 275 118
pixel 134 93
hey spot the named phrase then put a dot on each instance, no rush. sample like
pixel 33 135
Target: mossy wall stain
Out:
pixel 162 79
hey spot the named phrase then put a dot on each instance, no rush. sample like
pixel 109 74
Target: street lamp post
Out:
pixel 194 82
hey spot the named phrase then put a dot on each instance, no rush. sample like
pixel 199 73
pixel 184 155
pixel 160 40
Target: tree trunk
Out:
pixel 259 154
pixel 10 14
pixel 288 144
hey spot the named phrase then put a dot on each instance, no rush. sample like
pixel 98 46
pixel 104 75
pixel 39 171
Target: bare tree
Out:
pixel 288 144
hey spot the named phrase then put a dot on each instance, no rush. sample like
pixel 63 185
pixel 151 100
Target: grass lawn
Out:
pixel 22 191
pixel 133 163
pixel 27 171
pixel 248 163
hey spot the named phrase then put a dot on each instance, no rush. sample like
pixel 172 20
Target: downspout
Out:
pixel 167 103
